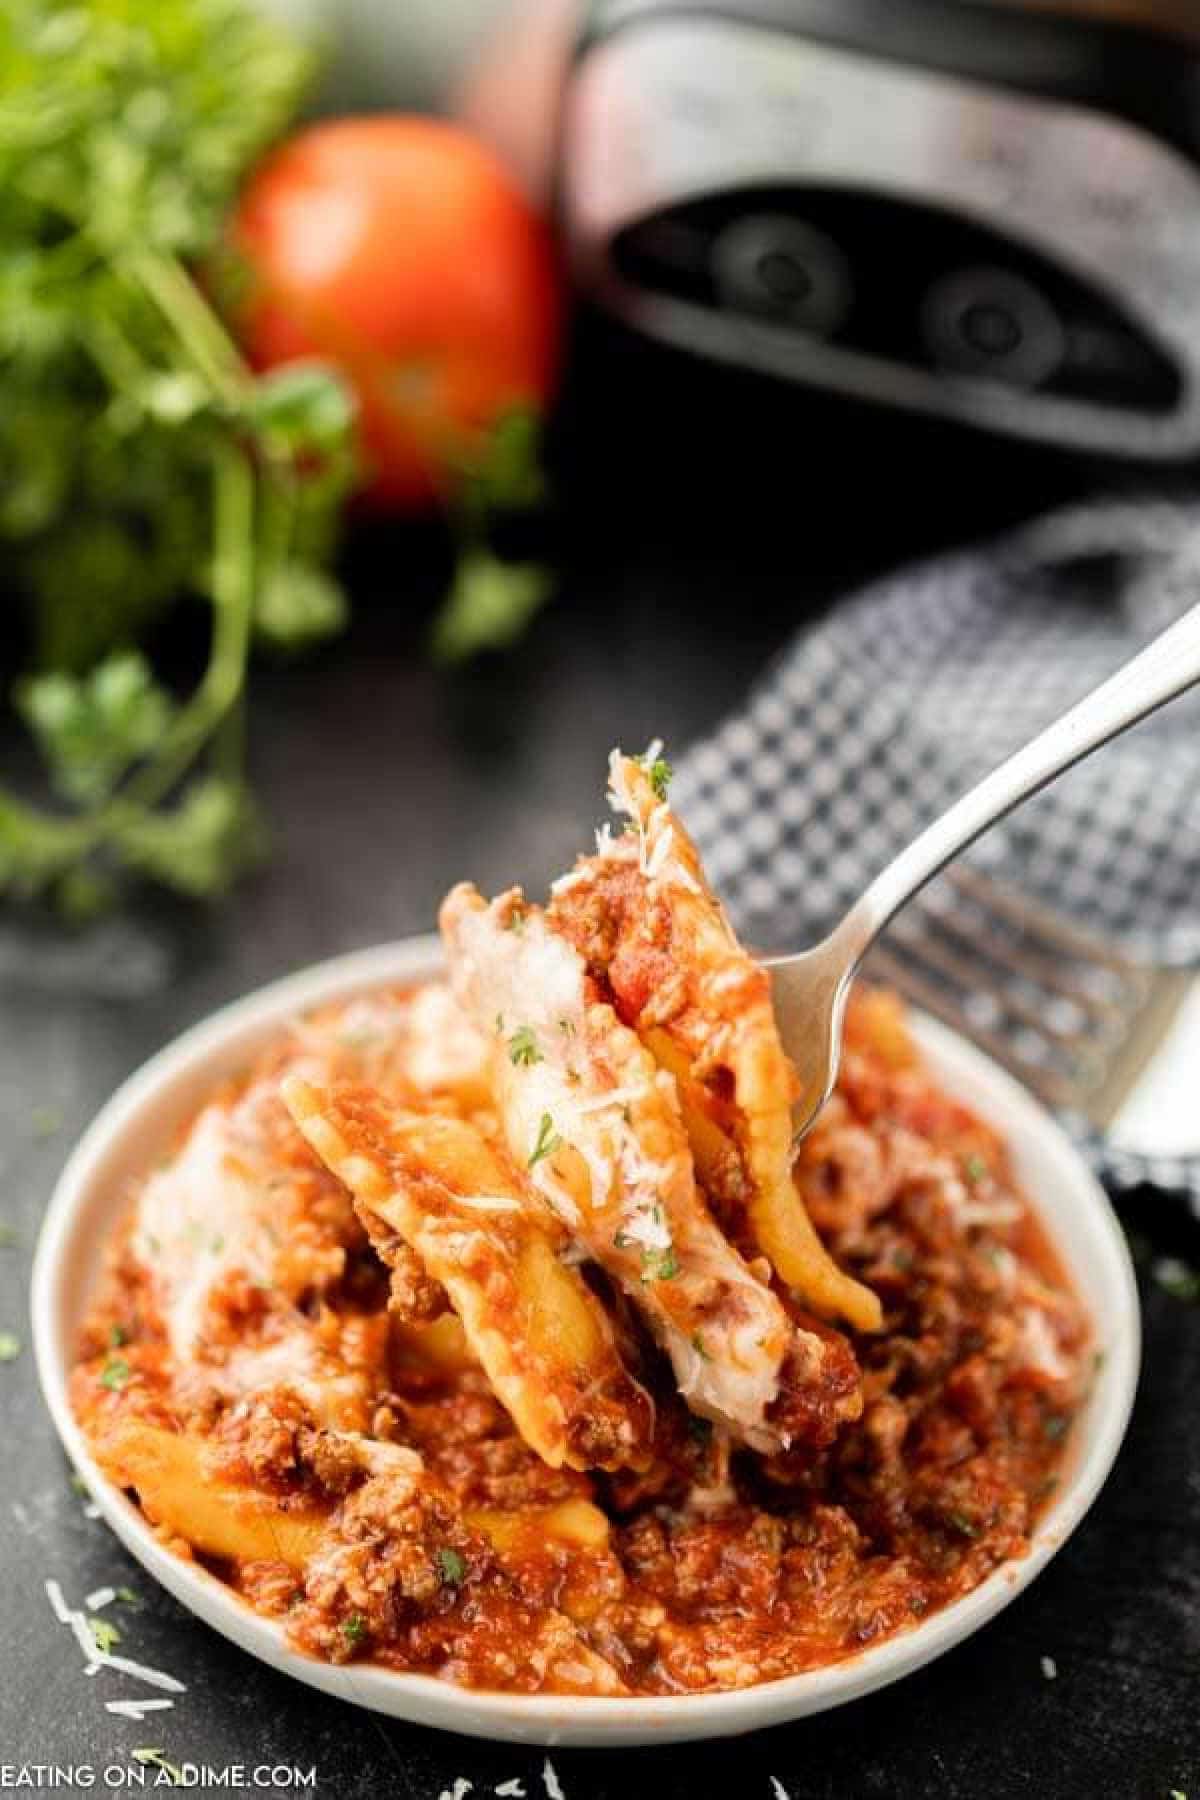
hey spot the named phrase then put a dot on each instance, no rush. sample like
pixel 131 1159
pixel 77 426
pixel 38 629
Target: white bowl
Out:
pixel 139 1121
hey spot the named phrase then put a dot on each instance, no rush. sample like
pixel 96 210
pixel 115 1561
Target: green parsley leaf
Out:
pixel 508 476
pixel 1057 1426
pixel 548 1141
pixel 1176 1278
pixel 489 606
pixel 297 606
pixel 354 1628
pixel 975 1168
pixel 659 771
pixel 117 1335
pixel 452 1567
pixel 303 409
pixel 115 1374
pixel 127 1597
pixel 157 1759
pixel 964 1526
pixel 45 1121
pixel 199 845
pixel 142 463
pixel 522 1047
pixel 660 1265
pixel 92 728
pixel 10 1346
pixel 106 1634
pixel 699 1348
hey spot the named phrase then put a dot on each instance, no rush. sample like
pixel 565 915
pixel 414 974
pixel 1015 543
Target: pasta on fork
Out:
pixel 656 940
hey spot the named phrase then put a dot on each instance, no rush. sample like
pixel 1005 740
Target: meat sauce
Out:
pixel 709 1568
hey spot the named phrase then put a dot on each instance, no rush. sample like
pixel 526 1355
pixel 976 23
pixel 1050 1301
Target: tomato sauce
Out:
pixel 712 1567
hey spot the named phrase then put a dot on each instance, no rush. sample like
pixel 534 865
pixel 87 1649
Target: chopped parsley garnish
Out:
pixel 523 1051
pixel 115 1374
pixel 698 1347
pixel 499 1024
pixel 699 1430
pixel 452 1567
pixel 1057 1426
pixel 975 1168
pixel 127 1597
pixel 623 1241
pixel 10 1346
pixel 105 1634
pixel 548 1141
pixel 354 1628
pixel 79 1485
pixel 157 1759
pixel 1176 1278
pixel 660 1265
pixel 117 1335
pixel 659 771
pixel 515 920
pixel 964 1526
pixel 566 1027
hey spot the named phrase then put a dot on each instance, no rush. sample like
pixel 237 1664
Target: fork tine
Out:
pixel 1051 1087
pixel 995 966
pixel 984 933
pixel 1021 910
pixel 972 974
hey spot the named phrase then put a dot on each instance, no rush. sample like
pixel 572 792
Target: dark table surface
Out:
pixel 700 519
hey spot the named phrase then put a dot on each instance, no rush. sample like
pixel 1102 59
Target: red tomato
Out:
pixel 399 248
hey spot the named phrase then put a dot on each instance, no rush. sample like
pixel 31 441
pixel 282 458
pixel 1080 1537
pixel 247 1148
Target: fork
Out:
pixel 1074 1018
pixel 810 989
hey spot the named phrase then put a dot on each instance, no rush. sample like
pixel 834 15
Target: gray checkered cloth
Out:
pixel 880 714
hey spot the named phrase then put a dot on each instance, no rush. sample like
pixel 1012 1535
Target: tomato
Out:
pixel 398 248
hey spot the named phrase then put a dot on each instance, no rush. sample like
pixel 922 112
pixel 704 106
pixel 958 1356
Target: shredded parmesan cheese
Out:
pixel 552 1784
pixel 136 1709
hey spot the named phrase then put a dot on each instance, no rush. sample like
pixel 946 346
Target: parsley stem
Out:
pixel 60 840
pixel 232 587
pixel 197 327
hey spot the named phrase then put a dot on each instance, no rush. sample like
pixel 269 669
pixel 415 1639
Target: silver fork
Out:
pixel 810 989
pixel 1070 1015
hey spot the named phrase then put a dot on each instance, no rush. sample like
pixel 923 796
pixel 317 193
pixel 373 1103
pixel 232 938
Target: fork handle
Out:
pixel 1160 672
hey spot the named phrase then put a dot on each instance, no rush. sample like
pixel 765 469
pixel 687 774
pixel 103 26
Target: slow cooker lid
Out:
pixel 1178 17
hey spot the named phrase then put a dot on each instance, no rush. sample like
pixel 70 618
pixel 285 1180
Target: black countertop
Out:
pixel 701 519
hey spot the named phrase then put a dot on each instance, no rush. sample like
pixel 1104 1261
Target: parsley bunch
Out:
pixel 140 460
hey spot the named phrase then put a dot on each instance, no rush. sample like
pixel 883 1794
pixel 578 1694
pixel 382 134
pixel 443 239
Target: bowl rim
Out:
pixel 230 1033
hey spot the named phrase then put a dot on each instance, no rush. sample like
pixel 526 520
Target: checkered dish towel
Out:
pixel 881 714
